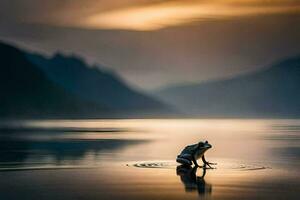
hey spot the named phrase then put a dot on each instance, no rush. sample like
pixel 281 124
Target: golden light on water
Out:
pixel 160 15
pixel 137 159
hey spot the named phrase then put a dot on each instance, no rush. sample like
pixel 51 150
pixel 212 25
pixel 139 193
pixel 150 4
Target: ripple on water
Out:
pixel 228 165
pixel 171 165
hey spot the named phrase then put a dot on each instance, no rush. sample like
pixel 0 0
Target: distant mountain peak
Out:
pixel 271 92
pixel 74 59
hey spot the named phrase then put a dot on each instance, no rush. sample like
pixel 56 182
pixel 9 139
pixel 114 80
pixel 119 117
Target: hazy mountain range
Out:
pixel 95 85
pixel 34 86
pixel 271 92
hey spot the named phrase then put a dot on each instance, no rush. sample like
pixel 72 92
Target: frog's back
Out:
pixel 190 149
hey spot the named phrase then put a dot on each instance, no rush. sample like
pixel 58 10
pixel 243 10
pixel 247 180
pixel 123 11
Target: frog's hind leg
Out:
pixel 184 161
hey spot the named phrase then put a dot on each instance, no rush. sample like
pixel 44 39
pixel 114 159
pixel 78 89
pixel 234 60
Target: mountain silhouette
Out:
pixel 272 92
pixel 95 85
pixel 35 87
pixel 25 90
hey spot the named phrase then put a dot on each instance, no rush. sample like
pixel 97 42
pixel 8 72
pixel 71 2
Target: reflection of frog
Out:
pixel 190 154
pixel 191 181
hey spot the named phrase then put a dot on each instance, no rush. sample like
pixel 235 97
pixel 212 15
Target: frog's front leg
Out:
pixel 207 163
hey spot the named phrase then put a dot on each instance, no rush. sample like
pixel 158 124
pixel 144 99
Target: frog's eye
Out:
pixel 200 144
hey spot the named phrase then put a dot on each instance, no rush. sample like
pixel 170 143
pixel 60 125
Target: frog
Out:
pixel 191 153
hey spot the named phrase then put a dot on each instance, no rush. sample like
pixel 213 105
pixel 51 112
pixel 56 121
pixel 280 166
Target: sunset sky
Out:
pixel 153 43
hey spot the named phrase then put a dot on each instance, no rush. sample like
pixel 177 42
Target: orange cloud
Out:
pixel 170 13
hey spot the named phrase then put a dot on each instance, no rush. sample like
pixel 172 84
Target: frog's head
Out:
pixel 203 146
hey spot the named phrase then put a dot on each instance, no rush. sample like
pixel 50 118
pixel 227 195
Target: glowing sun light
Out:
pixel 169 14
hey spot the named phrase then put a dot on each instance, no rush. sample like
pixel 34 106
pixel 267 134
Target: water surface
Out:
pixel 134 159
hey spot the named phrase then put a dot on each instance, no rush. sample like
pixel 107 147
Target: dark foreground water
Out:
pixel 134 159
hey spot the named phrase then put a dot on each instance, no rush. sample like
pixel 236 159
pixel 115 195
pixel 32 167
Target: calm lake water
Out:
pixel 135 159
